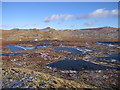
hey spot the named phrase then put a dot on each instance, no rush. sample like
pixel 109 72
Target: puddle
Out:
pixel 21 48
pixel 77 65
pixel 111 56
pixel 114 43
pixel 46 42
pixel 109 44
pixel 9 54
pixel 73 50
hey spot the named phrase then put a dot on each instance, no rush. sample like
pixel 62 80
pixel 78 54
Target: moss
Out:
pixel 7 83
pixel 41 78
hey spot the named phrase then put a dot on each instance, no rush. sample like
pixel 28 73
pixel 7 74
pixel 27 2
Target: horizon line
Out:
pixel 60 29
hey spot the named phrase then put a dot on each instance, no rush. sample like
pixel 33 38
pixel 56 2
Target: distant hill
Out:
pixel 90 34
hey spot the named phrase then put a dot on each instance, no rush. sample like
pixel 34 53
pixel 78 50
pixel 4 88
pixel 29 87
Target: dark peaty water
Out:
pixel 77 65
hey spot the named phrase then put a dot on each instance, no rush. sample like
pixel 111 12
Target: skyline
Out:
pixel 59 15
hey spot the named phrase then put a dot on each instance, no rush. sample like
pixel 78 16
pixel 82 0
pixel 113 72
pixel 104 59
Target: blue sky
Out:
pixel 59 15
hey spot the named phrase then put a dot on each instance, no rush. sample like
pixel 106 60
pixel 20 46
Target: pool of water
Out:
pixel 46 42
pixel 21 48
pixel 111 56
pixel 77 65
pixel 114 43
pixel 109 44
pixel 73 50
pixel 9 54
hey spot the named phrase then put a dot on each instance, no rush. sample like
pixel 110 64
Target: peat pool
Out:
pixel 9 54
pixel 73 50
pixel 78 65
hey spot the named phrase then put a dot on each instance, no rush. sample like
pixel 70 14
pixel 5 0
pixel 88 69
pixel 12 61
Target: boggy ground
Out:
pixel 30 70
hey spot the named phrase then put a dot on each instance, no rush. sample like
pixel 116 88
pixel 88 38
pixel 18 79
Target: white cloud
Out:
pixel 64 17
pixel 88 24
pixel 114 12
pixel 99 13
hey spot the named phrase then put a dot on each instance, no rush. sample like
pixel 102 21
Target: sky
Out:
pixel 59 15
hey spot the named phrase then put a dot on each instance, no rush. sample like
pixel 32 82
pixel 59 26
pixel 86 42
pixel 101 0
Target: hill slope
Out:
pixel 99 34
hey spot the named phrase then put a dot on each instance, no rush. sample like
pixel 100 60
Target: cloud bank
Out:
pixel 64 17
pixel 99 13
